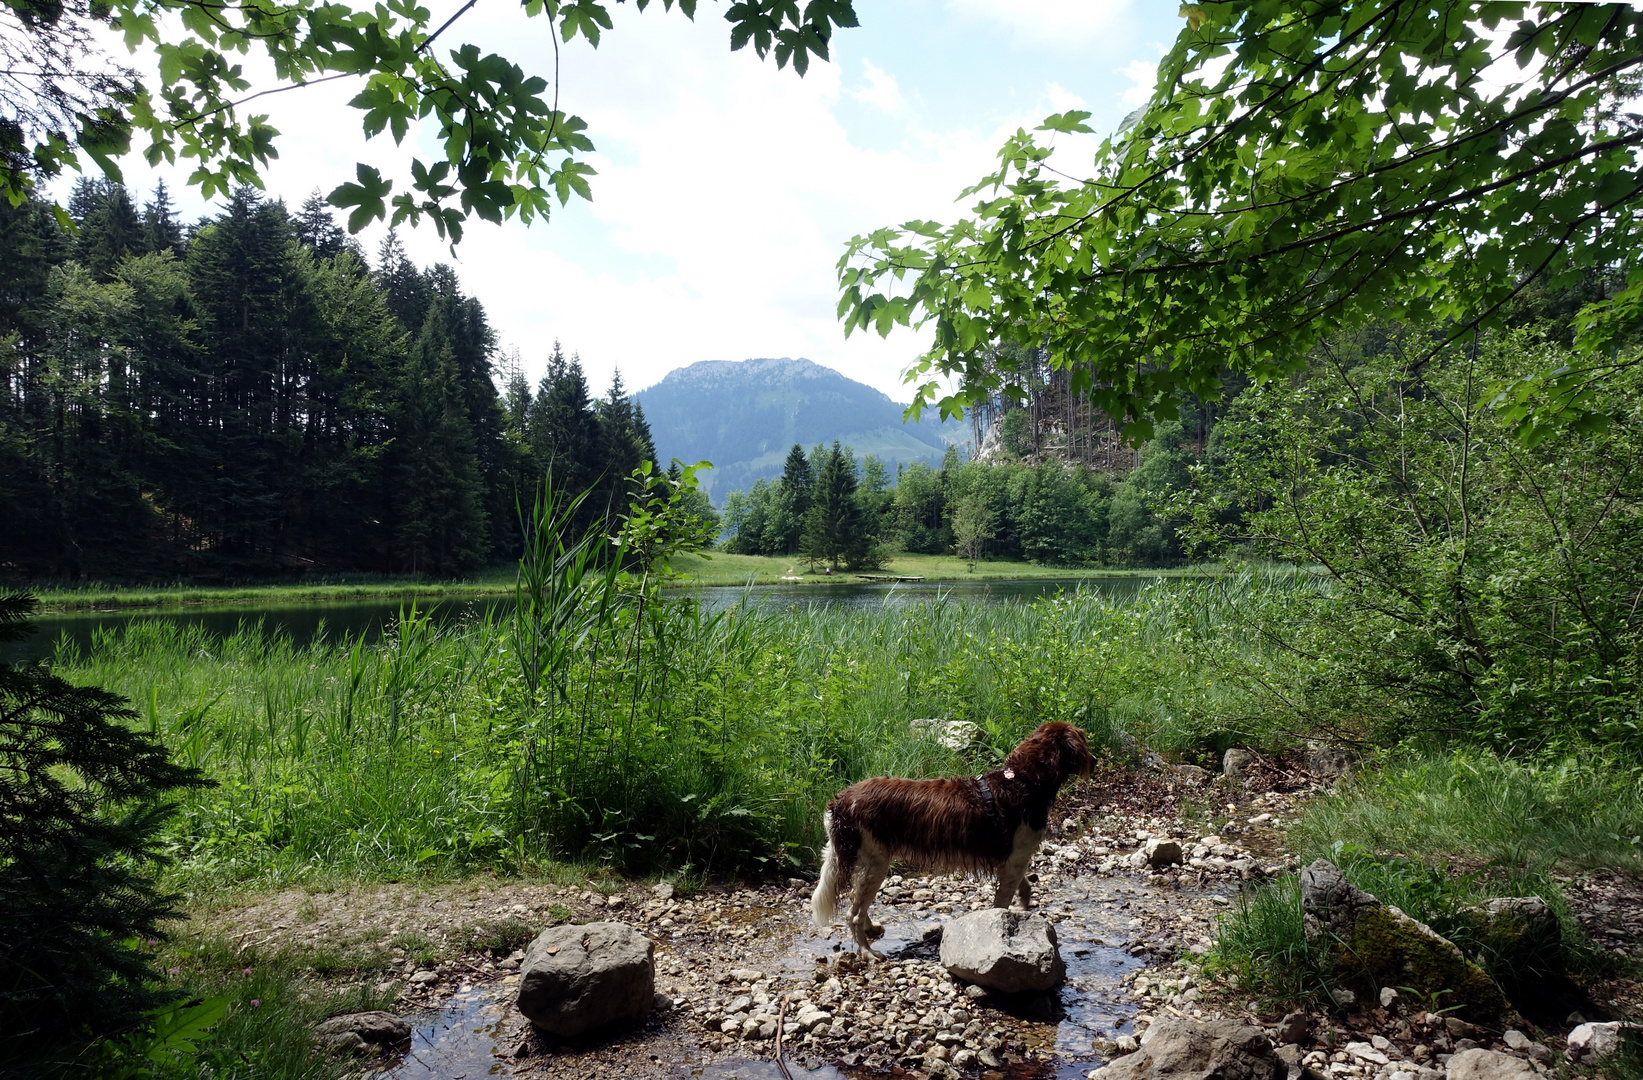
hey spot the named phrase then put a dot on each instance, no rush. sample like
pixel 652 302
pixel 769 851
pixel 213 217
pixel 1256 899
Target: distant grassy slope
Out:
pixel 718 568
pixel 82 596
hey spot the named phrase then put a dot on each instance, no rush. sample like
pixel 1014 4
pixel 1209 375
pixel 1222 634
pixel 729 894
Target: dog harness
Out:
pixel 986 791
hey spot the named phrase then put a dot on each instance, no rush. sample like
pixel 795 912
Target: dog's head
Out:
pixel 1060 747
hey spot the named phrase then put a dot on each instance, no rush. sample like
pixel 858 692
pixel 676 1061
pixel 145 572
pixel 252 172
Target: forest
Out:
pixel 1017 505
pixel 250 396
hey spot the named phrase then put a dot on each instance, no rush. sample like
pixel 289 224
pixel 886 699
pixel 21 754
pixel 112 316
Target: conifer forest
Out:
pixel 252 395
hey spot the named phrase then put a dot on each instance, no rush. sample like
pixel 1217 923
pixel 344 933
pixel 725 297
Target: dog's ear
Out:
pixel 1076 759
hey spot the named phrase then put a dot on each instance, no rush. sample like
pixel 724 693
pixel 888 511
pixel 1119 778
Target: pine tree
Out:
pixel 82 798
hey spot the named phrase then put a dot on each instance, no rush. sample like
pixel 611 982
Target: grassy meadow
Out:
pixel 681 739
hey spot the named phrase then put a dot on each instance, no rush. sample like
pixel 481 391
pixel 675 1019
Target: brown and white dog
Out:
pixel 989 824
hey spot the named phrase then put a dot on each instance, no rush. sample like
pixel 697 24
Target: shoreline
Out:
pixel 928 569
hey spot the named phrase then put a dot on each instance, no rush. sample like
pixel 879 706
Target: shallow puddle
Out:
pixel 460 1042
pixel 1099 921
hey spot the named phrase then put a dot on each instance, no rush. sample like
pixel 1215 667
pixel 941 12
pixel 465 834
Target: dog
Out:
pixel 990 824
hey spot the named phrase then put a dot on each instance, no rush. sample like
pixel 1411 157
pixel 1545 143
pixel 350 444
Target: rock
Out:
pixel 1524 936
pixel 1193 774
pixel 957 735
pixel 578 978
pixel 1592 1040
pixel 1330 904
pixel 1293 1028
pixel 1008 951
pixel 1483 1064
pixel 1520 1042
pixel 663 890
pixel 424 978
pixel 1178 1049
pixel 1127 1044
pixel 1329 763
pixel 1385 947
pixel 1389 998
pixel 1162 851
pixel 374 1030
pixel 1365 1052
pixel 1346 999
pixel 1235 764
pixel 1459 1029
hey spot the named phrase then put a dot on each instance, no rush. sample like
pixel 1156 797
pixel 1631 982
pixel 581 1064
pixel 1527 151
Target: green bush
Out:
pixel 1481 591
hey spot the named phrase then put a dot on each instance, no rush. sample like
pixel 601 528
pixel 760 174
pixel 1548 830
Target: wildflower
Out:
pixel 247 971
pixel 256 1003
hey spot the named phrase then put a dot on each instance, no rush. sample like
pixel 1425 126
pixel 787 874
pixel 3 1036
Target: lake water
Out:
pixel 303 622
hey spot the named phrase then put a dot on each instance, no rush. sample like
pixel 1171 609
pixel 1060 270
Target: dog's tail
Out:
pixel 824 902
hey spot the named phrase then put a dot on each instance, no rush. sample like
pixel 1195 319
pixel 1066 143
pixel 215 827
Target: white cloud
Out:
pixel 1063 23
pixel 1143 75
pixel 726 191
pixel 881 90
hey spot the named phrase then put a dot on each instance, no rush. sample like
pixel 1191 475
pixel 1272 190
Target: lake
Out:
pixel 303 622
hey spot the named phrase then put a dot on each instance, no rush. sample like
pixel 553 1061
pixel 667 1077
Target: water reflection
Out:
pixel 305 622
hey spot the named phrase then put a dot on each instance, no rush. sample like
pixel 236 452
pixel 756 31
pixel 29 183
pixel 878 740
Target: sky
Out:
pixel 726 188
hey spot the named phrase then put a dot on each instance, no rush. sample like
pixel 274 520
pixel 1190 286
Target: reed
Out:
pixel 588 723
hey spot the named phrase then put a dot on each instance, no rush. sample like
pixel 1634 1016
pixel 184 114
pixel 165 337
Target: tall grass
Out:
pixel 1517 816
pixel 596 728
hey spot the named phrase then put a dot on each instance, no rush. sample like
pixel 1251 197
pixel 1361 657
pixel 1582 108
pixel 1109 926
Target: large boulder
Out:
pixel 579 978
pixel 1381 946
pixel 1481 1064
pixel 1003 950
pixel 363 1032
pixel 1180 1049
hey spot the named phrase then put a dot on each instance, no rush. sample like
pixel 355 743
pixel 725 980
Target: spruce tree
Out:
pixel 161 229
pixel 565 433
pixel 408 291
pixel 83 796
pixel 786 524
pixel 833 526
pixel 440 525
pixel 317 228
pixel 110 228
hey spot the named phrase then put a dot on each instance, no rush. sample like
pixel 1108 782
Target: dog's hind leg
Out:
pixel 872 867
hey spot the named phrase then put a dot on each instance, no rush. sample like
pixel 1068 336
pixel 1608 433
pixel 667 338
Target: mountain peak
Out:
pixel 744 416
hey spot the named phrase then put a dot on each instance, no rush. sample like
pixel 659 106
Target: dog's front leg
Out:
pixel 1025 891
pixel 874 867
